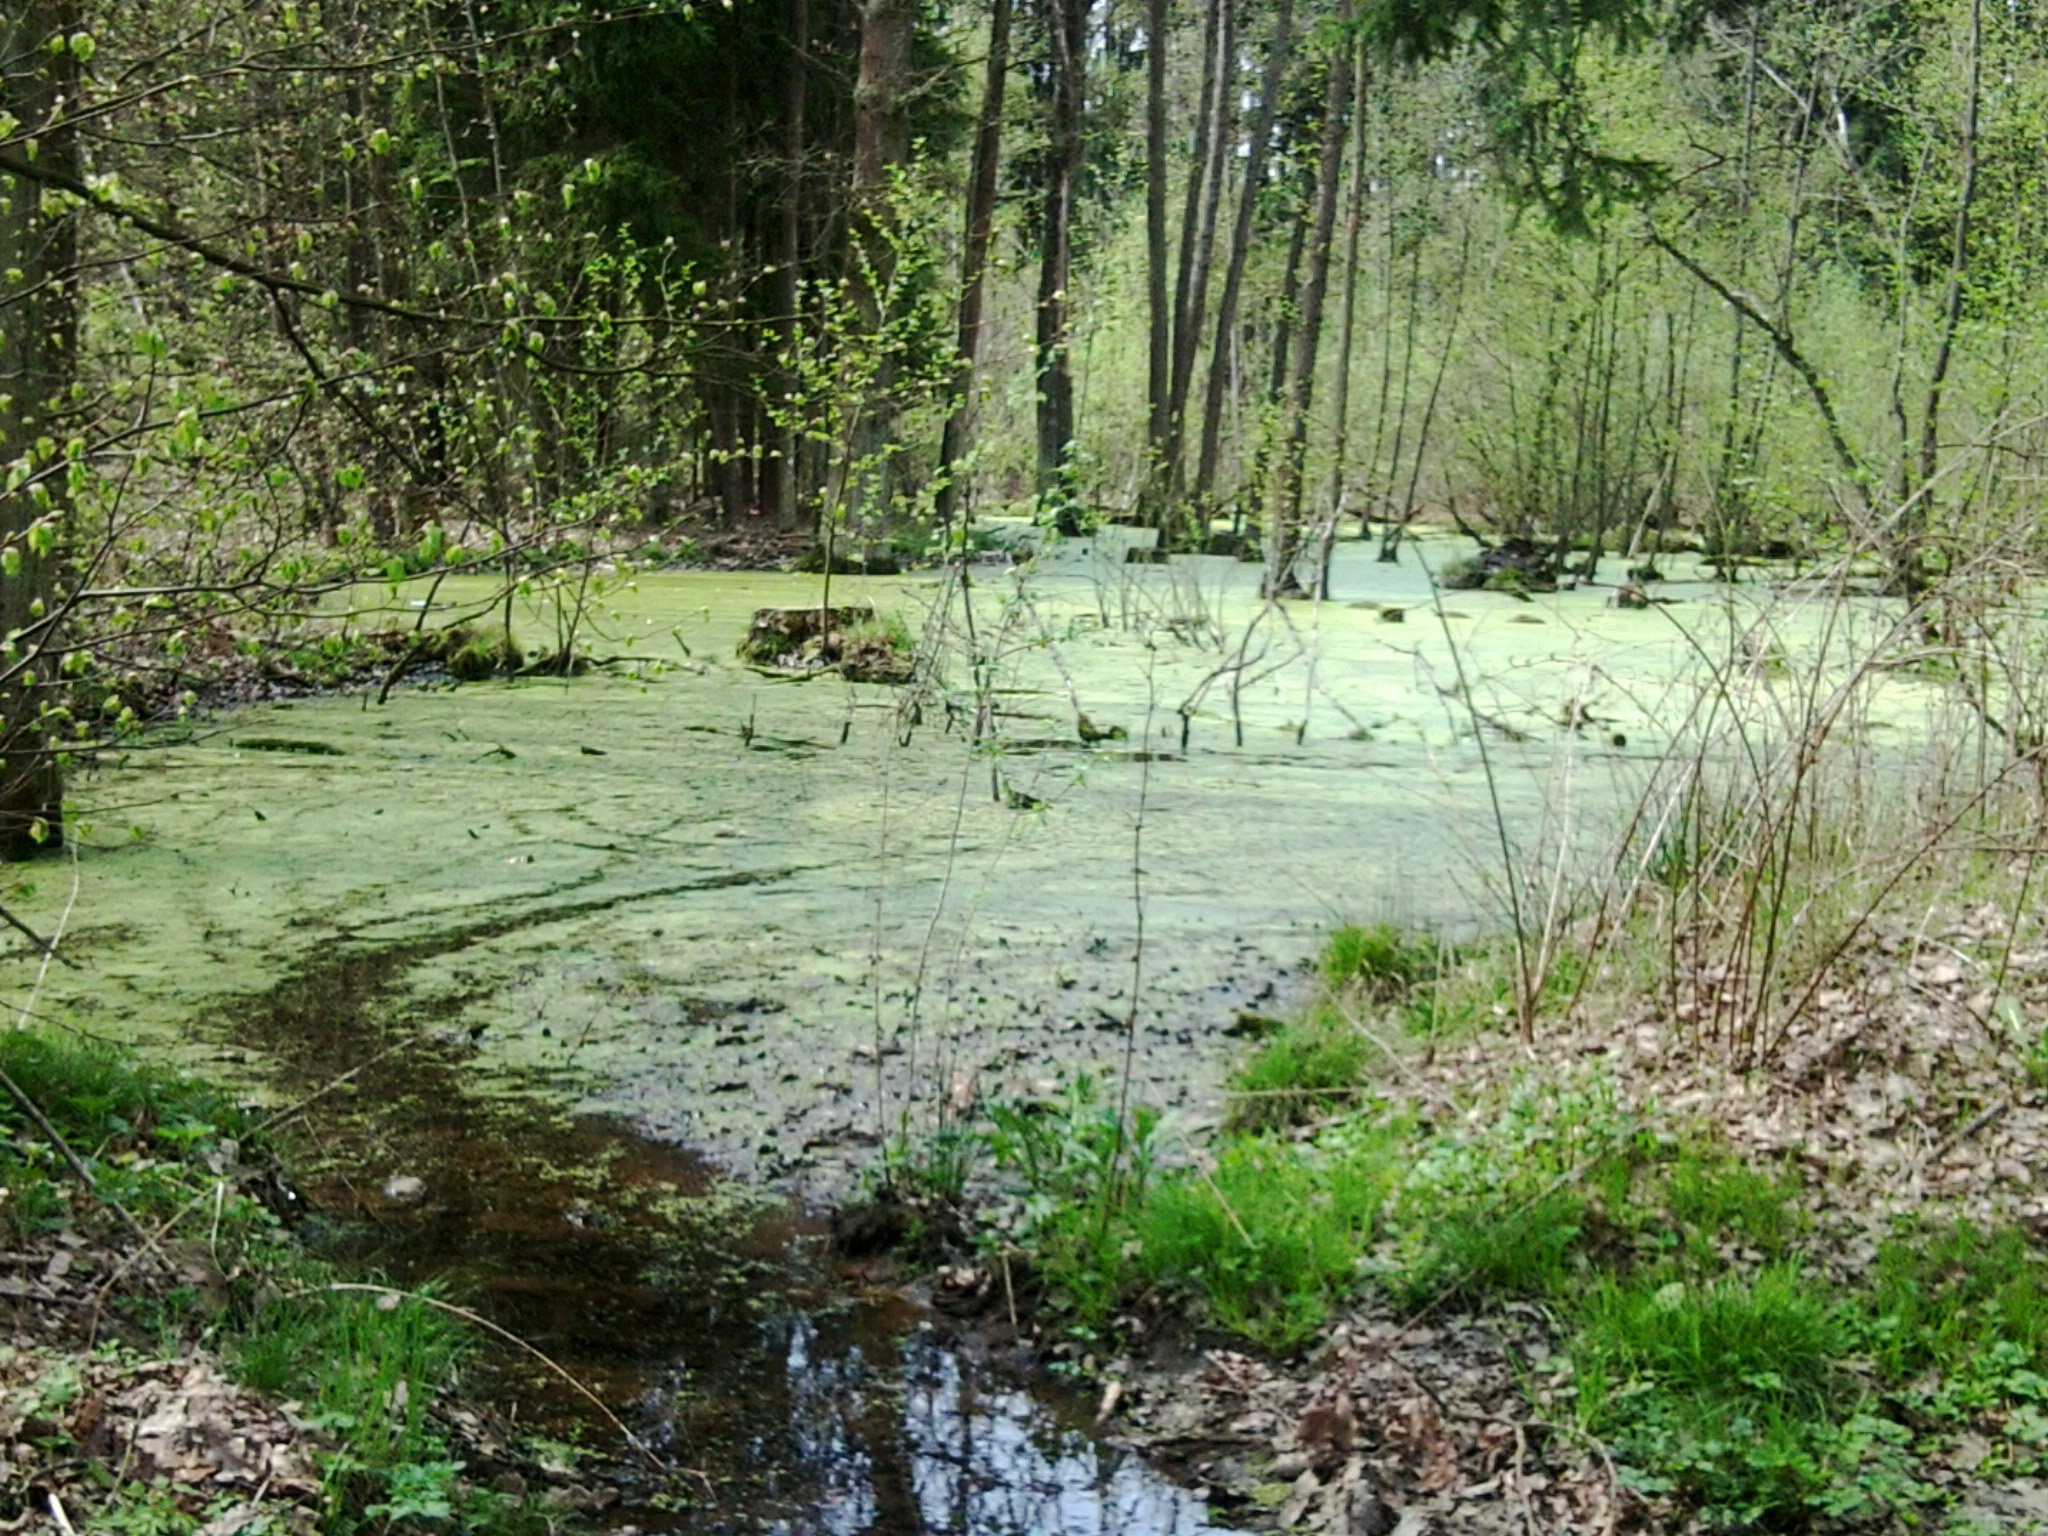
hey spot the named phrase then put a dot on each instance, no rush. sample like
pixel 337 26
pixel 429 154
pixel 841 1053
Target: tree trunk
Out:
pixel 1159 370
pixel 981 222
pixel 787 481
pixel 1909 556
pixel 1283 544
pixel 1067 22
pixel 1252 486
pixel 1198 228
pixel 1240 251
pixel 1340 411
pixel 38 352
pixel 881 142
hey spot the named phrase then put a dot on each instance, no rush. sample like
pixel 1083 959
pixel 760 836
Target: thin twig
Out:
pixel 479 1320
pixel 293 1109
pixel 47 948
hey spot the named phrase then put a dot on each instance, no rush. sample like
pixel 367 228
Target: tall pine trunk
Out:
pixel 1283 540
pixel 1240 251
pixel 1159 360
pixel 38 353
pixel 881 142
pixel 787 480
pixel 1347 330
pixel 981 222
pixel 1066 28
pixel 1213 123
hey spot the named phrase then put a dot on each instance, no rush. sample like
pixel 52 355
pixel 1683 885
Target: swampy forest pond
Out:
pixel 959 768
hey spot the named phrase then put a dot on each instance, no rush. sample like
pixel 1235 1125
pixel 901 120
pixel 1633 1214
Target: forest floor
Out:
pixel 1629 1277
pixel 174 1363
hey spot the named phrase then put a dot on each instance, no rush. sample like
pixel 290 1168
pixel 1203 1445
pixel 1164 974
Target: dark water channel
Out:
pixel 810 1398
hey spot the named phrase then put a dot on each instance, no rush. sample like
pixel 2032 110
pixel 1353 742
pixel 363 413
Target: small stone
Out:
pixel 405 1188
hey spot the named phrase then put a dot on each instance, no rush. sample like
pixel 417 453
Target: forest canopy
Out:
pixel 303 294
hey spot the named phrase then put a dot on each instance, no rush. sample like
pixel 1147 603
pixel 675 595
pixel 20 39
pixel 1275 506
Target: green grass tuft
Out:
pixel 1951 1300
pixel 1731 1392
pixel 1311 1064
pixel 1381 961
pixel 1271 1240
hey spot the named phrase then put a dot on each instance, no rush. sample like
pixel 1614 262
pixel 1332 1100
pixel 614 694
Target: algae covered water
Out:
pixel 760 917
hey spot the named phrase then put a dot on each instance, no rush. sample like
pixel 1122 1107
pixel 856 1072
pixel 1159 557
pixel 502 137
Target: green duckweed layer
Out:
pixel 735 908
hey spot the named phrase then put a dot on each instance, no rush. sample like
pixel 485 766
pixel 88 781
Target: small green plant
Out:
pixel 367 1366
pixel 1946 1302
pixel 1076 1176
pixel 1270 1240
pixel 1717 1198
pixel 1485 1254
pixel 2034 1060
pixel 932 1167
pixel 1383 962
pixel 1731 1392
pixel 1309 1065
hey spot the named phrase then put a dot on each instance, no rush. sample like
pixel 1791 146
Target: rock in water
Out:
pixel 777 636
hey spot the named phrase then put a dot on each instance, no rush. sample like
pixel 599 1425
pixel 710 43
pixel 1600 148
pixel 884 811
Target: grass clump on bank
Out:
pixel 178 1245
pixel 1320 1060
pixel 1706 1326
pixel 1309 1065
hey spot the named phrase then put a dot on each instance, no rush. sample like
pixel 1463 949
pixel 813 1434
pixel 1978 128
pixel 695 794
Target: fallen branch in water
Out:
pixel 290 1110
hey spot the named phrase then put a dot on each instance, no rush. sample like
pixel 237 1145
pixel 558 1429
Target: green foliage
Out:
pixel 344 1355
pixel 1267 1242
pixel 1730 1390
pixel 1310 1064
pixel 1498 1209
pixel 1712 1196
pixel 1272 1239
pixel 1381 961
pixel 143 1132
pixel 1956 1299
pixel 934 1167
pixel 367 1368
pixel 1076 1176
pixel 92 1092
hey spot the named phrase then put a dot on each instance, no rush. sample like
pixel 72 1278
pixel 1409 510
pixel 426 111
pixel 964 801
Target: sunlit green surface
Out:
pixel 684 895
